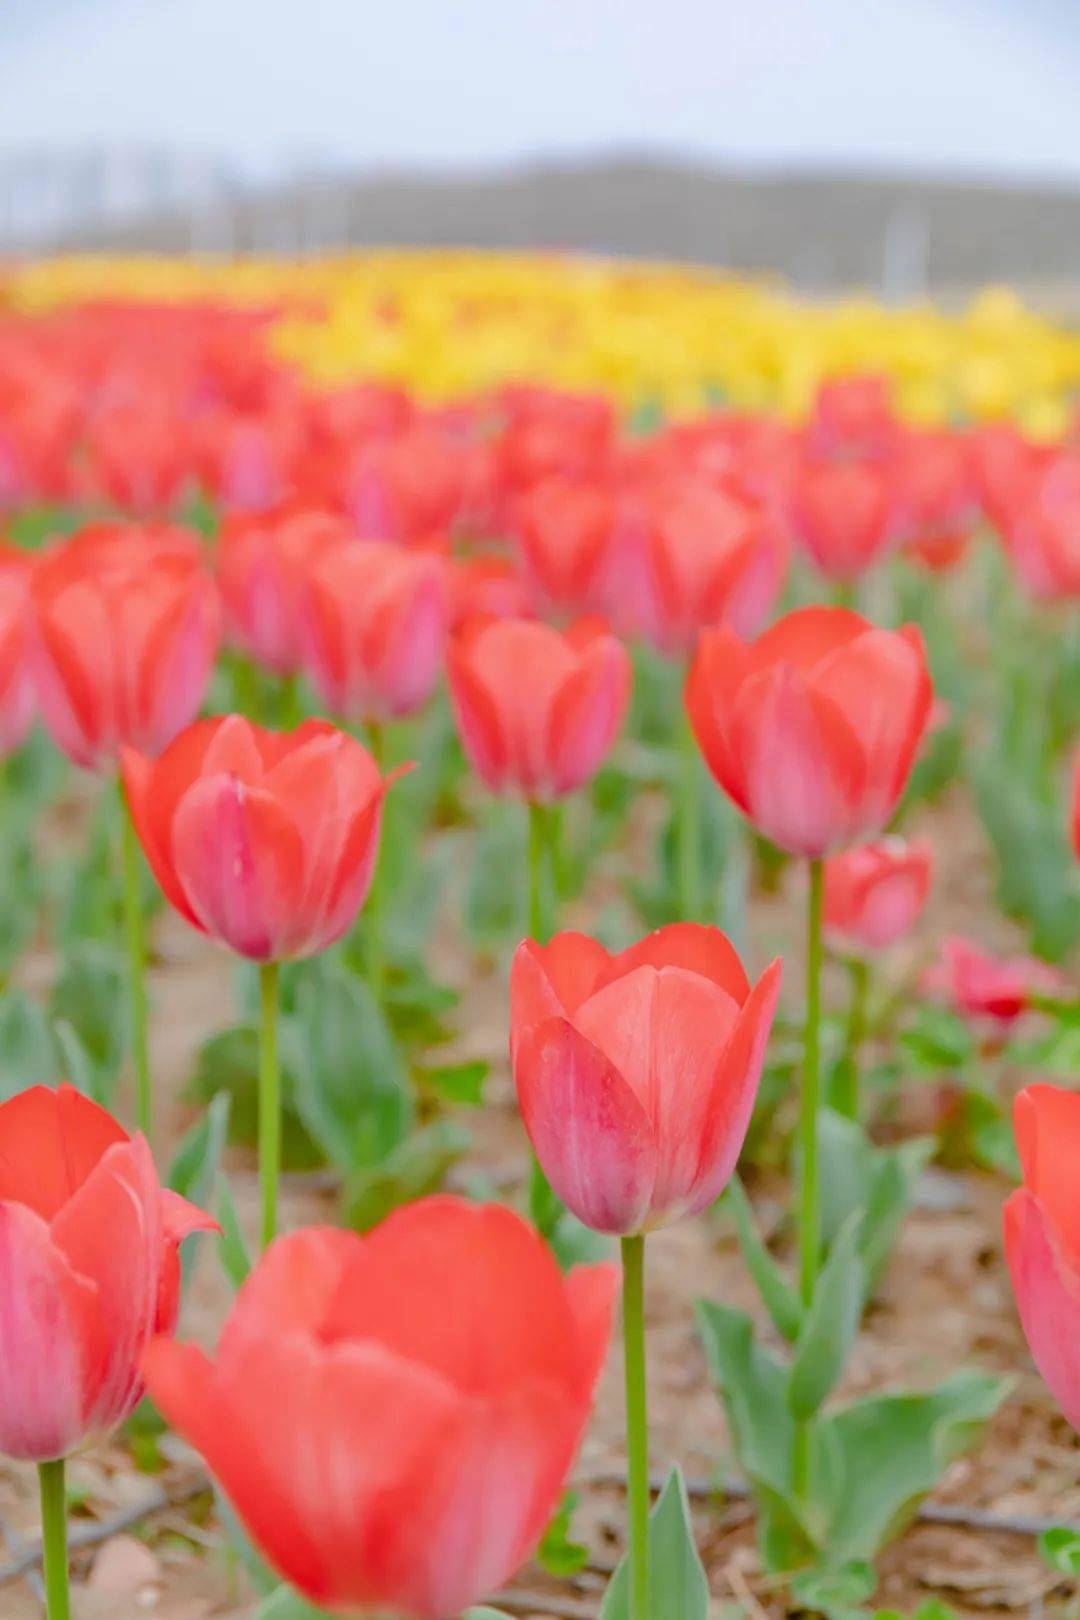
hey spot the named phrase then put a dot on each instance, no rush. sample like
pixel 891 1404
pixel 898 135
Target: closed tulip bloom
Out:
pixel 408 487
pixel 977 984
pixel 127 623
pixel 264 562
pixel 1044 540
pixel 377 626
pixel 1042 1237
pixel 264 840
pixel 876 892
pixel 17 702
pixel 393 1416
pixel 636 1074
pixel 854 416
pixel 811 729
pixel 842 512
pixel 537 710
pixel 487 587
pixel 712 559
pixel 89 1245
pixel 565 529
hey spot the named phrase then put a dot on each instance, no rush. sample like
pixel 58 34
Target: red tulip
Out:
pixel 711 559
pixel 876 892
pixel 979 985
pixel 1005 466
pixel 393 1416
pixel 854 416
pixel 813 728
pixel 636 1074
pixel 537 710
pixel 264 840
pixel 1042 1237
pixel 1075 807
pixel 936 505
pixel 409 487
pixel 16 680
pixel 264 565
pixel 487 587
pixel 89 1246
pixel 127 627
pixel 1044 538
pixel 842 511
pixel 565 529
pixel 377 625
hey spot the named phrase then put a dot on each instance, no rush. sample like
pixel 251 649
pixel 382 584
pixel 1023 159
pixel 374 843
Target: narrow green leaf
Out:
pixel 830 1325
pixel 777 1295
pixel 678 1589
pixel 196 1164
pixel 26 1050
pixel 1060 1548
pixel 235 1255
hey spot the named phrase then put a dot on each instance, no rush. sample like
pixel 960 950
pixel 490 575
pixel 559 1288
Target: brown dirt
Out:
pixel 945 1302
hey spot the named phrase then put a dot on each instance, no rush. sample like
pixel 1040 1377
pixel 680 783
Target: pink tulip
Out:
pixel 637 1073
pixel 979 985
pixel 17 701
pixel 1042 1237
pixel 876 892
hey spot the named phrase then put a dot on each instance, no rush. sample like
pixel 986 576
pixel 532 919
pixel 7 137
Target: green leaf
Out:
pixel 830 1325
pixel 777 1295
pixel 351 1089
pixel 73 1063
pixel 678 1589
pixel 229 1061
pixel 828 1591
pixel 495 891
pixel 26 1049
pixel 459 1082
pixel 486 1614
pixel 91 997
pixel 1060 1549
pixel 285 1604
pixel 938 1039
pixel 415 1168
pixel 196 1163
pixel 557 1552
pixel 259 1574
pixel 880 1456
pixel 232 1246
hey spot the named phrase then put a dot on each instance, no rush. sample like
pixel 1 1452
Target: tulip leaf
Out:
pixel 232 1246
pixel 485 1614
pixel 1034 861
pixel 678 1589
pixel 351 1089
pixel 558 1553
pixel 878 1182
pixel 830 1325
pixel 229 1061
pixel 495 890
pixel 777 1295
pixel 835 1591
pixel 90 996
pixel 1060 1549
pixel 459 1082
pixel 26 1049
pixel 416 1167
pixel 196 1164
pixel 285 1604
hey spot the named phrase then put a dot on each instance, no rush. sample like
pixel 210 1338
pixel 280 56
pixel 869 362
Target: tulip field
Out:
pixel 539 945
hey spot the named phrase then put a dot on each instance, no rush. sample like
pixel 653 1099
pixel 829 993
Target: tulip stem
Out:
pixel 847 1099
pixel 54 1539
pixel 135 933
pixel 810 1204
pixel 269 1099
pixel 688 825
pixel 637 1423
pixel 541 895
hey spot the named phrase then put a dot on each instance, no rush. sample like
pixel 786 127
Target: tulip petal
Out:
pixel 50 1141
pixel 1047 1293
pixel 587 714
pixel 1046 1120
pixel 880 683
pixel 478 720
pixel 48 1321
pixel 553 978
pixel 694 946
pixel 291 1288
pixel 591 1134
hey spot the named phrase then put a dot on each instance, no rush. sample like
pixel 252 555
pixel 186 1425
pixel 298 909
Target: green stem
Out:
pixel 541 898
pixel 688 825
pixel 847 1100
pixel 135 935
pixel 637 1423
pixel 54 1539
pixel 810 1204
pixel 269 1099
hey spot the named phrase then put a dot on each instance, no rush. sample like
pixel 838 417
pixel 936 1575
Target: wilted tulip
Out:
pixel 127 623
pixel 636 1073
pixel 377 625
pixel 264 563
pixel 812 729
pixel 393 1416
pixel 537 710
pixel 1042 1237
pixel 876 892
pixel 88 1257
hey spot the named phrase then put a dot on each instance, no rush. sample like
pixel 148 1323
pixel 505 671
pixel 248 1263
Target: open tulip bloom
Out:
pixel 393 1417
pixel 636 1075
pixel 126 623
pixel 266 841
pixel 89 1245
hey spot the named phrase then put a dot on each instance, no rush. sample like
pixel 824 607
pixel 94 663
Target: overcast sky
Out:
pixel 974 86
